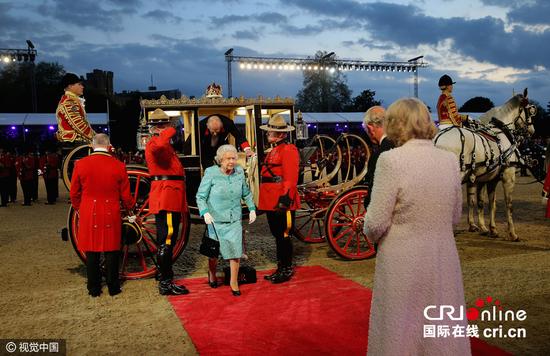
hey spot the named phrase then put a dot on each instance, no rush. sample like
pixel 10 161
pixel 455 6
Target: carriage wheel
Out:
pixel 68 162
pixel 344 225
pixel 138 259
pixel 309 224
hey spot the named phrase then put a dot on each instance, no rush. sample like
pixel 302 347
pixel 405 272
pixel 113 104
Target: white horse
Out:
pixel 489 154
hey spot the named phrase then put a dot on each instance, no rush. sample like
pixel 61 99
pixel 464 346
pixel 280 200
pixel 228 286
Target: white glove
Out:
pixel 544 201
pixel 132 219
pixel 252 216
pixel 208 219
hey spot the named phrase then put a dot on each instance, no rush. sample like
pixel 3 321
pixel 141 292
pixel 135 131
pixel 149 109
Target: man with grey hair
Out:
pixel 98 185
pixel 214 132
pixel 373 123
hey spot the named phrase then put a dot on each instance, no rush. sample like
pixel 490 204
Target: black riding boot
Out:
pixel 166 286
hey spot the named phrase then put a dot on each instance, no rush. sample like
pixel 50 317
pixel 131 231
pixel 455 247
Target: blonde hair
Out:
pixel 408 118
pixel 374 116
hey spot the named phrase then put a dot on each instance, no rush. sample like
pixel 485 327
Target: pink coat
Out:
pixel 416 199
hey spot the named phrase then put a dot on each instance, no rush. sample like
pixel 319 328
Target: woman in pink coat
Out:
pixel 415 202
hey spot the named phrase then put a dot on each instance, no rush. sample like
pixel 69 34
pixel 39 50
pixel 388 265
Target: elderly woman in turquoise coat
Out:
pixel 219 201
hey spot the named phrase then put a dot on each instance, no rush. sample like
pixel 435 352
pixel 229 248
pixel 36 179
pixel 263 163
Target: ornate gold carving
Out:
pixel 184 101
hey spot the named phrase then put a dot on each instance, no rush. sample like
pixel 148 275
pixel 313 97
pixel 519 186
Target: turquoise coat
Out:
pixel 220 195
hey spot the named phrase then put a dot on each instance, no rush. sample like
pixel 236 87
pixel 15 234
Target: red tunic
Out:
pixel 72 124
pixel 283 161
pixel 26 165
pixel 50 165
pixel 447 111
pixel 168 195
pixel 98 185
pixel 546 190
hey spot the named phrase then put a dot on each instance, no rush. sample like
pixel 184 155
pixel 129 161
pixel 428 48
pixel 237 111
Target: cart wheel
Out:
pixel 309 224
pixel 69 160
pixel 138 258
pixel 344 225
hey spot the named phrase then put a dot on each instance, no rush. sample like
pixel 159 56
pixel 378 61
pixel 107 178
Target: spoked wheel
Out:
pixel 309 221
pixel 138 257
pixel 320 161
pixel 344 225
pixel 68 162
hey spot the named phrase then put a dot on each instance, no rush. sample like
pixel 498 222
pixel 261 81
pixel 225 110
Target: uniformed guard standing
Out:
pixel 72 123
pixel 98 185
pixel 446 107
pixel 26 166
pixel 279 194
pixel 4 178
pixel 12 181
pixel 50 164
pixel 167 198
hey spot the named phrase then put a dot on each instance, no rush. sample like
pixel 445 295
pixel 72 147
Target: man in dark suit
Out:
pixel 214 132
pixel 98 185
pixel 373 123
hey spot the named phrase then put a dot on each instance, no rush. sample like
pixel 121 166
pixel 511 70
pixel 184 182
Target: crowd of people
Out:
pixel 28 168
pixel 410 182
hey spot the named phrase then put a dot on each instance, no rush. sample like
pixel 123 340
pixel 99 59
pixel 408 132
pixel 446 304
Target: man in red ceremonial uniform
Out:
pixel 278 193
pixel 4 178
pixel 167 198
pixel 26 167
pixel 98 185
pixel 72 124
pixel 446 107
pixel 50 164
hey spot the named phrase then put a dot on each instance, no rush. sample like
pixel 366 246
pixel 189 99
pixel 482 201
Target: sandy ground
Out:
pixel 44 294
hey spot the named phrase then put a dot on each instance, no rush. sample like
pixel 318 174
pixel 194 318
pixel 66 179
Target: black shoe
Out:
pixel 172 289
pixel 115 292
pixel 212 284
pixel 284 276
pixel 94 294
pixel 236 293
pixel 269 277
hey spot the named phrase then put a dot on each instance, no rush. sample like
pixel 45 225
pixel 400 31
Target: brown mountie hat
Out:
pixel 69 79
pixel 277 123
pixel 158 117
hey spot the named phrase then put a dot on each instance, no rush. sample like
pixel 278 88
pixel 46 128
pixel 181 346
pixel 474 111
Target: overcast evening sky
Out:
pixel 489 47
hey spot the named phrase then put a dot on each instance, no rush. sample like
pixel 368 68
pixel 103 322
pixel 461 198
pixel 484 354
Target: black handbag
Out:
pixel 209 247
pixel 246 275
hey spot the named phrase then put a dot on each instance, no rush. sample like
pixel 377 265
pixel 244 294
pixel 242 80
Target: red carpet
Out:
pixel 317 312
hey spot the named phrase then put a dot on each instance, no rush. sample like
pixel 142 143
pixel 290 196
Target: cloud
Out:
pixel 90 13
pixel 162 15
pixel 272 18
pixel 408 27
pixel 246 35
pixel 532 14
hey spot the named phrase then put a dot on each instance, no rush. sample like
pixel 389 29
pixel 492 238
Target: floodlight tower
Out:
pixel 415 71
pixel 229 59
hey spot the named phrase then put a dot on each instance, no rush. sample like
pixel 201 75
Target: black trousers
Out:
pixel 278 224
pixel 52 188
pixel 168 223
pixel 13 187
pixel 93 271
pixel 35 187
pixel 27 187
pixel 4 190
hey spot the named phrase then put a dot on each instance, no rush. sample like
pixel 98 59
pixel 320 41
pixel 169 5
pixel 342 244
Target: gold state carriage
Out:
pixel 332 204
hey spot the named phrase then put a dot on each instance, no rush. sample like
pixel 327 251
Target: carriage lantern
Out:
pixel 301 127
